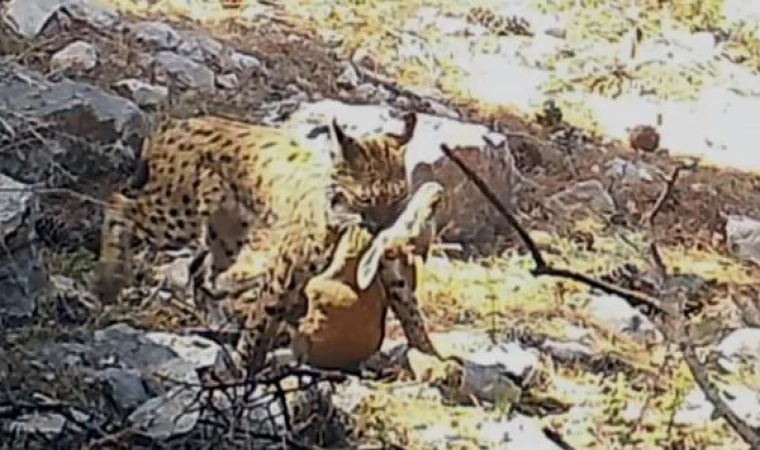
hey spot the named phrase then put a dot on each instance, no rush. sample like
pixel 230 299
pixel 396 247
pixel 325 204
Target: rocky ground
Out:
pixel 81 84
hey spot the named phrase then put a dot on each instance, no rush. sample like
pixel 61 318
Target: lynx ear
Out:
pixel 410 126
pixel 343 144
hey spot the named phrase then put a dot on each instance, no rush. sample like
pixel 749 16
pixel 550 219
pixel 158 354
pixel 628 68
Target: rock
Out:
pixel 155 35
pixel 567 352
pixel 696 410
pixel 486 372
pixel 78 55
pixel 134 349
pixel 50 425
pixel 90 134
pixel 200 48
pixel 743 238
pixel 246 64
pixel 621 317
pixel 186 73
pixel 199 351
pixel 351 395
pixel 741 347
pixel 30 17
pixel 590 194
pixel 21 277
pixel 142 93
pixel 644 138
pixel 491 371
pixel 439 109
pixel 630 171
pixel 167 415
pixel 227 81
pixel 349 78
pixel 470 219
pixel 367 92
pixel 73 13
pixel 125 387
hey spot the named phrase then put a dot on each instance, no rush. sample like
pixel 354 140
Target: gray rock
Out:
pixel 439 109
pixel 65 126
pixel 118 345
pixel 79 55
pixel 186 73
pixel 125 387
pixel 49 425
pixel 77 11
pixel 567 351
pixel 173 372
pixel 696 410
pixel 21 277
pixel 630 171
pixel 589 194
pixel 142 93
pixel 743 238
pixel 228 81
pixel 156 35
pixel 485 373
pixel 199 351
pixel 167 415
pixel 623 318
pixel 247 64
pixel 30 17
pixel 349 78
pixel 200 48
pixel 367 92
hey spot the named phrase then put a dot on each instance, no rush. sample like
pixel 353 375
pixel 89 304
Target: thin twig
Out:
pixel 667 192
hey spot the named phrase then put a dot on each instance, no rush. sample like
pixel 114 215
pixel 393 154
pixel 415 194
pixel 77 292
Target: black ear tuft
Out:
pixel 340 135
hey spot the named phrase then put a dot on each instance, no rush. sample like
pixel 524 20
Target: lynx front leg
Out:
pixel 399 278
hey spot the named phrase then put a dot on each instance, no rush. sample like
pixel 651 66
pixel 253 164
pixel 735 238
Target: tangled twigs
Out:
pixel 542 268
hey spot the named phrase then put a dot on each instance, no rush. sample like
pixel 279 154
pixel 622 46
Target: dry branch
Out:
pixel 542 268
pixel 750 435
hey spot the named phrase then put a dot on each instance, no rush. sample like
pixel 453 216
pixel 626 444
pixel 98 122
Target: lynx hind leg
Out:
pixel 409 228
pixel 399 278
pixel 115 263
